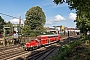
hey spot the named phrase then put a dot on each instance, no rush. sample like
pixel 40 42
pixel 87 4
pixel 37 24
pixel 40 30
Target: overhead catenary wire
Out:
pixel 11 16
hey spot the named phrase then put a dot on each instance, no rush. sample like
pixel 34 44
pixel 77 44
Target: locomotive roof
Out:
pixel 49 35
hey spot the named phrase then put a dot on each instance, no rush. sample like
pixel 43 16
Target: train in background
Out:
pixel 42 40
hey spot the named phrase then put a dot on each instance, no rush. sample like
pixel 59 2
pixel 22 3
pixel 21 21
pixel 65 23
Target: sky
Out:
pixel 56 15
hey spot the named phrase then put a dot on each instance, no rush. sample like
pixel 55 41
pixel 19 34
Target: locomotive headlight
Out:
pixel 26 49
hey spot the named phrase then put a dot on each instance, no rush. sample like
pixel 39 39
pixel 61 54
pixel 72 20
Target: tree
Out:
pixel 83 22
pixel 1 24
pixel 35 18
pixel 26 30
pixel 82 5
pixel 83 12
pixel 9 24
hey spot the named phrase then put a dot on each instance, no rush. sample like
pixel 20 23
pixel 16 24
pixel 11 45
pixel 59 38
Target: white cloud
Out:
pixel 16 21
pixel 50 4
pixel 59 6
pixel 72 16
pixel 59 18
pixel 49 22
pixel 54 19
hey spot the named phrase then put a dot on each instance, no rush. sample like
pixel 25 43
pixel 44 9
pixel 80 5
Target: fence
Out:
pixel 10 41
pixel 23 39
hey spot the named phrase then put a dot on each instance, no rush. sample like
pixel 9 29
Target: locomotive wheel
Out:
pixel 35 47
pixel 31 49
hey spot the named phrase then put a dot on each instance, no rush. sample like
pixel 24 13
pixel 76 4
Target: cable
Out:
pixel 11 16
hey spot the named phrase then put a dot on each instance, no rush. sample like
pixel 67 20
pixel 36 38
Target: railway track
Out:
pixel 9 47
pixel 27 54
pixel 37 56
pixel 14 55
pixel 10 50
pixel 44 56
pixel 7 53
pixel 16 52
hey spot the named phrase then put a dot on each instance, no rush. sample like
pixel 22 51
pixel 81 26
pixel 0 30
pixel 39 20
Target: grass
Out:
pixel 77 50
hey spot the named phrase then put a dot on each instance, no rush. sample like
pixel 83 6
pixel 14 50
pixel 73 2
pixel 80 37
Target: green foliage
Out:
pixel 26 30
pixel 88 52
pixel 82 8
pixel 73 51
pixel 75 43
pixel 32 34
pixel 8 24
pixel 35 19
pixel 84 37
pixel 48 33
pixel 82 5
pixel 83 22
pixel 64 51
pixel 1 24
pixel 87 58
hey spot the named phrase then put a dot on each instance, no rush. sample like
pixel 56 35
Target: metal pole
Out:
pixel 19 29
pixel 68 34
pixel 4 44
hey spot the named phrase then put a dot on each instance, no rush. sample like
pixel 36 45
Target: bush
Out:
pixel 32 34
pixel 48 33
pixel 64 51
pixel 85 37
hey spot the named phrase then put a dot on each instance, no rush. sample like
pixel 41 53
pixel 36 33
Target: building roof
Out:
pixel 48 35
pixel 57 26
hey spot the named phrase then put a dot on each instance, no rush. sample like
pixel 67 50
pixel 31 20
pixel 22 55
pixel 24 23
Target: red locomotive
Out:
pixel 42 40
